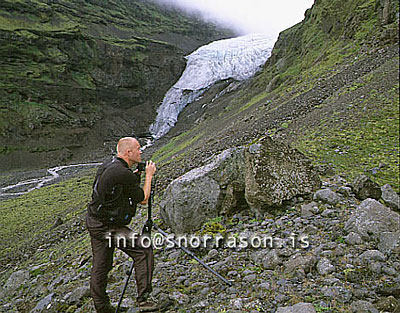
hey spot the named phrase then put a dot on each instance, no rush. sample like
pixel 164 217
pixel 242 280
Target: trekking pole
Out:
pixel 149 224
pixel 190 253
pixel 129 273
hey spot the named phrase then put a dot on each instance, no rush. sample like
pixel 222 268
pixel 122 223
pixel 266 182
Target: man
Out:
pixel 116 191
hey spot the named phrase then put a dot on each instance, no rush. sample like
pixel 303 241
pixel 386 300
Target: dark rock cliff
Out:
pixel 76 74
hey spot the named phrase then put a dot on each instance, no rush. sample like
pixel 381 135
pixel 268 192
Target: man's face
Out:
pixel 134 153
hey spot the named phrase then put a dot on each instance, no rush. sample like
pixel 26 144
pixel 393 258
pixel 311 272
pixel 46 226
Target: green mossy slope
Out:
pixel 76 73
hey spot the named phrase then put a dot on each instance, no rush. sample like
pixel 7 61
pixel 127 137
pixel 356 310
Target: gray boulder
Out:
pixel 269 259
pixel 275 173
pixel 16 279
pixel 259 176
pixel 371 219
pixel 327 195
pixel 372 255
pixel 353 239
pixel 365 188
pixel 361 306
pixel 390 197
pixel 198 195
pixel 389 242
pixel 298 261
pixel 297 308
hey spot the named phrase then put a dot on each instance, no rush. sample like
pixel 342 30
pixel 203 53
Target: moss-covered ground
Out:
pixel 25 220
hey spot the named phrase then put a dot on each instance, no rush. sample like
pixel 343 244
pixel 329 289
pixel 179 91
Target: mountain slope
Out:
pixel 75 74
pixel 333 92
pixel 331 84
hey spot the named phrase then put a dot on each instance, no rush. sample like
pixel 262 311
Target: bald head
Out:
pixel 126 143
pixel 128 148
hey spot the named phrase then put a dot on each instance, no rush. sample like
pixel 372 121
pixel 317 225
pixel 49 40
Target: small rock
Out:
pixel 338 293
pixel 390 197
pixel 327 195
pixel 389 242
pixel 371 219
pixel 43 304
pixel 346 191
pixel 297 261
pixel 265 285
pixel 361 306
pixel 212 254
pixel 16 279
pixel 174 255
pixel 372 255
pixel 375 267
pixel 76 296
pixel 297 308
pixel 388 304
pixel 237 303
pixel 365 188
pixel 389 270
pixel 328 213
pixel 179 297
pixel 201 304
pixel 306 210
pixel 353 239
pixel 250 278
pixel 325 267
pixel 271 260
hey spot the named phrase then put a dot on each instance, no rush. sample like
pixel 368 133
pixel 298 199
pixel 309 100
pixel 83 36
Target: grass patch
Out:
pixel 368 145
pixel 175 145
pixel 253 101
pixel 32 214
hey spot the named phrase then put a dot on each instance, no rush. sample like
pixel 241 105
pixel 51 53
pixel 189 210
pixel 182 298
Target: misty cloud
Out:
pixel 247 16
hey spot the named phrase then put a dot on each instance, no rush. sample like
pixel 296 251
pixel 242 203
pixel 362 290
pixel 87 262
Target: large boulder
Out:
pixel 372 219
pixel 259 176
pixel 199 195
pixel 275 173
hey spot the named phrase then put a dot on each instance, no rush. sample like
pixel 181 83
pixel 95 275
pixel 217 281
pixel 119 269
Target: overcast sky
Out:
pixel 248 16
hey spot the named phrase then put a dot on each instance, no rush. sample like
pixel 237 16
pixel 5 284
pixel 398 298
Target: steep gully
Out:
pixel 236 58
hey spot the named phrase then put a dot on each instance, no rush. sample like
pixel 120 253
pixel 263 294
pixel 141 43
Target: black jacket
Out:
pixel 116 191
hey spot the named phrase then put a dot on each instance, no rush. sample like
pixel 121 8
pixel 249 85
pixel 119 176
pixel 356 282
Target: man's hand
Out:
pixel 150 168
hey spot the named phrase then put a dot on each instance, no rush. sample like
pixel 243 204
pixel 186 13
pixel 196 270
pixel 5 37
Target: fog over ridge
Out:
pixel 268 17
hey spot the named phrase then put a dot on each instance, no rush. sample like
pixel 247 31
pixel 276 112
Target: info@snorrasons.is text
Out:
pixel 159 241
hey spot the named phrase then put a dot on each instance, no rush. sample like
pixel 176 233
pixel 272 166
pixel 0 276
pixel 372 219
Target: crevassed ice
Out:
pixel 238 58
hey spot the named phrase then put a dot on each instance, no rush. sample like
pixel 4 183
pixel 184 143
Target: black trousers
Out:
pixel 104 240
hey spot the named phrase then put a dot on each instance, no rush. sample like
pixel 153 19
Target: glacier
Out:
pixel 236 58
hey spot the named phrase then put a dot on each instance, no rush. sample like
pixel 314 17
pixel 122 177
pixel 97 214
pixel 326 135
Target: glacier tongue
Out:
pixel 238 58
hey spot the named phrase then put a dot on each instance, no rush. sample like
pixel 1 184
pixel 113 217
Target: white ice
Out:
pixel 237 58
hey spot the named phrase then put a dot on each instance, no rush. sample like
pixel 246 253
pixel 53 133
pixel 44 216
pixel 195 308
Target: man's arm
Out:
pixel 150 170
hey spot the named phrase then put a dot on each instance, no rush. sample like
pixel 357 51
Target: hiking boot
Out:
pixel 108 308
pixel 147 306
